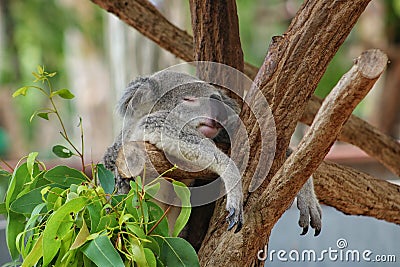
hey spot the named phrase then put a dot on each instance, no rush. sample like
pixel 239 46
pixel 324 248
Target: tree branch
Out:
pixel 358 132
pixel 336 185
pixel 315 145
pixel 144 17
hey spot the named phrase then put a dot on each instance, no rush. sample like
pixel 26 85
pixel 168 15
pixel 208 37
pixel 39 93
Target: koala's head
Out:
pixel 194 102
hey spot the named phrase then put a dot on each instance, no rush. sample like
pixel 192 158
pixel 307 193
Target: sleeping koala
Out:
pixel 180 115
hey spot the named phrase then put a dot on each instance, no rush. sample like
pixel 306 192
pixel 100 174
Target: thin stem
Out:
pixel 8 165
pixel 82 145
pixel 159 221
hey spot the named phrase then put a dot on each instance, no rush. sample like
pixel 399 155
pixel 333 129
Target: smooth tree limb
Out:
pixel 144 17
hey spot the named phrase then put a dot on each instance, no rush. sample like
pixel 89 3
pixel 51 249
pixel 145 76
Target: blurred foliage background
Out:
pixel 96 55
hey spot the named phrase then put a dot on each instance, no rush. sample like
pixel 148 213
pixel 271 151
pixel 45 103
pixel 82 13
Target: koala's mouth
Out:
pixel 210 128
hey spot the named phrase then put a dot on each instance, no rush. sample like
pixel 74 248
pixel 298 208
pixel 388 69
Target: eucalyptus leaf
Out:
pixel 183 193
pixel 15 225
pixel 155 214
pixel 3 209
pixel 152 190
pixel 21 91
pixel 101 251
pixel 137 251
pixel 30 161
pixel 51 237
pixel 106 178
pixel 64 93
pixel 65 176
pixel 27 202
pixel 43 115
pixel 177 252
pixel 19 177
pixel 150 258
pixel 81 237
pixel 62 151
pixel 35 254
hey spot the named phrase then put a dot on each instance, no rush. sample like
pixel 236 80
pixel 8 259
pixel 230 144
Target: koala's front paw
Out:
pixel 235 216
pixel 310 213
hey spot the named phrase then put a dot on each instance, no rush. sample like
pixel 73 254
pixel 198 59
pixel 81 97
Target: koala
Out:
pixel 181 115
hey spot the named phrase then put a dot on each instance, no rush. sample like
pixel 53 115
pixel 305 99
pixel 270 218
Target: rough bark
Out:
pixel 303 54
pixel 282 189
pixel 143 16
pixel 216 39
pixel 358 132
pixel 336 185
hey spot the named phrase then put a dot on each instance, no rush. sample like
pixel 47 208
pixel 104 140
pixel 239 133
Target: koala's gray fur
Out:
pixel 164 109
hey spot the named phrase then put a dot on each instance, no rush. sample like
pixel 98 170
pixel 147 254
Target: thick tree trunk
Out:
pixel 293 66
pixel 296 62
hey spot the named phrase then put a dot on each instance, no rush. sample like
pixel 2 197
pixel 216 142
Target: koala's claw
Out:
pixel 310 214
pixel 234 218
pixel 317 231
pixel 305 230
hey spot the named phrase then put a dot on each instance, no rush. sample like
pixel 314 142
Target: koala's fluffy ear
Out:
pixel 137 96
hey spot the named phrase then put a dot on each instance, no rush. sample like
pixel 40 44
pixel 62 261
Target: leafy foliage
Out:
pixel 61 217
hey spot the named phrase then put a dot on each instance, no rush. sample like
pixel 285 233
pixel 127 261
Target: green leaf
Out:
pixel 21 91
pixel 102 252
pixel 15 225
pixel 64 254
pixel 135 229
pixel 27 202
pixel 30 161
pixel 137 251
pixel 40 69
pixel 43 115
pixel 53 196
pixel 152 244
pixel 183 193
pixel 150 258
pixel 95 212
pixel 51 236
pixel 5 177
pixel 65 176
pixel 3 209
pixel 64 93
pixel 81 237
pixel 62 151
pixel 177 252
pixel 106 178
pixel 108 221
pixel 52 74
pixel 34 216
pixel 155 213
pixel 17 183
pixel 35 254
pixel 152 190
